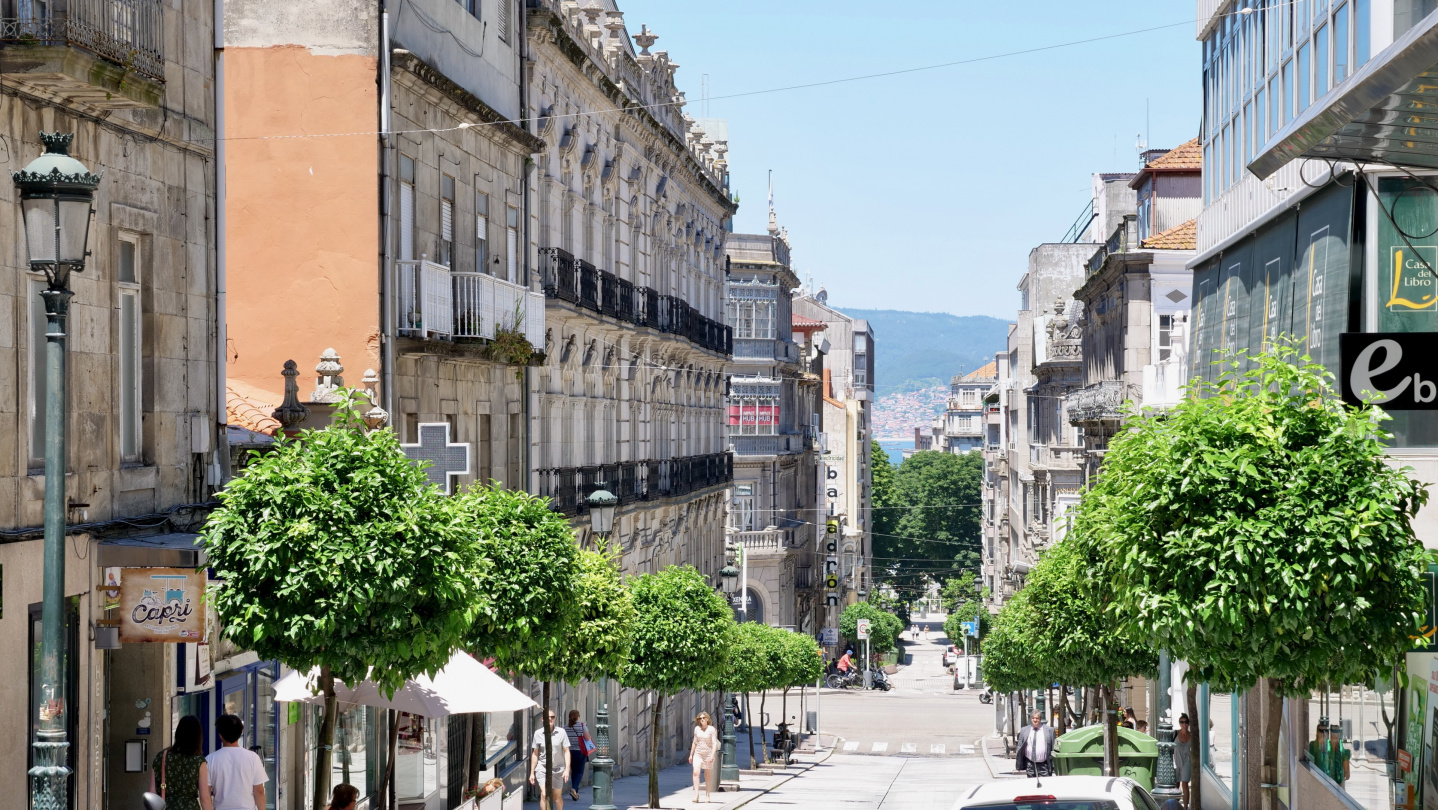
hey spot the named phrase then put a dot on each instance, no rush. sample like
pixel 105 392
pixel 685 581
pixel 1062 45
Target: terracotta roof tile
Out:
pixel 800 322
pixel 1179 237
pixel 1186 156
pixel 988 371
pixel 249 408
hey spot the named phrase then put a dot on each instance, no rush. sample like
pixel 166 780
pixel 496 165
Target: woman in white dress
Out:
pixel 702 753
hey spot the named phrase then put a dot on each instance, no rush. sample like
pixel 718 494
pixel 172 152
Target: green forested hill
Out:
pixel 922 349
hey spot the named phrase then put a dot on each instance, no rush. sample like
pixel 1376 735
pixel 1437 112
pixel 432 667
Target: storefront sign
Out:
pixel 750 415
pixel 162 604
pixel 1392 369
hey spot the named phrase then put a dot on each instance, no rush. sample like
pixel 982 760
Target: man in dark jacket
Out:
pixel 1036 747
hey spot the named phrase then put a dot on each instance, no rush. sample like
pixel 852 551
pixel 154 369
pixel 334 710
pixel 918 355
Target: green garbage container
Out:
pixel 1080 753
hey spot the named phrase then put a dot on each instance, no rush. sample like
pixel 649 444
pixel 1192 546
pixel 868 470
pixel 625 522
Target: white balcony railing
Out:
pixel 435 302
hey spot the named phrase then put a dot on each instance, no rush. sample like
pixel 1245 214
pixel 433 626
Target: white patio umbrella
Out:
pixel 462 687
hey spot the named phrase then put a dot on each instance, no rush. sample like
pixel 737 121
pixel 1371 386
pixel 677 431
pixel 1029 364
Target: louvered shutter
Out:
pixel 406 221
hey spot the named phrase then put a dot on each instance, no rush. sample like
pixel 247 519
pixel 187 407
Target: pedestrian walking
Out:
pixel 344 797
pixel 179 774
pixel 1036 744
pixel 236 775
pixel 1130 720
pixel 550 744
pixel 580 747
pixel 1183 758
pixel 701 753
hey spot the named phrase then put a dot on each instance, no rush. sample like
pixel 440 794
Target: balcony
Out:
pixel 1055 457
pixel 634 481
pixel 1100 402
pixel 771 540
pixel 584 285
pixel 743 445
pixel 103 53
pixel 437 303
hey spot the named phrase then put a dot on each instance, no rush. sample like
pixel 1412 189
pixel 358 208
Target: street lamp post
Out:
pixel 728 766
pixel 602 504
pixel 56 192
pixel 1165 781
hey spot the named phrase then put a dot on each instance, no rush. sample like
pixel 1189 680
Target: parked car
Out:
pixel 951 654
pixel 1059 793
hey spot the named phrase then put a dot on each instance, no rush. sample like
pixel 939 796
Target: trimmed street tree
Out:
pixel 803 664
pixel 335 552
pixel 1256 531
pixel 748 667
pixel 683 633
pixel 594 643
pixel 884 627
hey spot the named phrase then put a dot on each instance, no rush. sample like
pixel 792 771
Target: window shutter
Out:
pixel 481 244
pixel 446 220
pixel 511 246
pixel 406 221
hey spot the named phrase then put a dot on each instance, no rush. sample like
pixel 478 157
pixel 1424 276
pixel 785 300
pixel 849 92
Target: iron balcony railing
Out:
pixel 579 282
pixel 568 487
pixel 129 33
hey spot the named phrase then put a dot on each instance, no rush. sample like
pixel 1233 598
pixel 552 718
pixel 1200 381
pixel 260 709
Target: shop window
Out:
pixel 419 756
pixel 502 733
pixel 358 750
pixel 1219 727
pixel 1352 753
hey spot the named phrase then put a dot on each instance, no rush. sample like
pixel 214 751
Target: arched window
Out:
pixel 755 612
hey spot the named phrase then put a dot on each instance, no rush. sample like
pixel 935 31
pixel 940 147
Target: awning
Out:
pixel 1387 111
pixel 464 686
pixel 173 550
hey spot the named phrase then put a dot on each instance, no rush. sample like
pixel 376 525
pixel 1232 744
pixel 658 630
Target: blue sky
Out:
pixel 926 191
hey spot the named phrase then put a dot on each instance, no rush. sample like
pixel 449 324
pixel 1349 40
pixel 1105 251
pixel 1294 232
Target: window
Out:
pixel 743 514
pixel 502 21
pixel 753 415
pixel 1320 61
pixel 38 385
pixel 472 6
pixel 1218 721
pixel 1288 89
pixel 1340 44
pixel 1165 336
pixel 129 344
pixel 861 370
pixel 406 207
pixel 752 320
pixel 484 451
pixel 1360 31
pixel 1303 78
pixel 446 220
pixel 481 232
pixel 511 242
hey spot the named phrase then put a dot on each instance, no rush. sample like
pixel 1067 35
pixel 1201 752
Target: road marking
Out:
pixel 966 749
pixel 852 745
pixel 937 748
pixel 909 748
pixel 879 748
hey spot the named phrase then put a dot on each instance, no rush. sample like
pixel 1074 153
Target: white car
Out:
pixel 1059 793
pixel 951 654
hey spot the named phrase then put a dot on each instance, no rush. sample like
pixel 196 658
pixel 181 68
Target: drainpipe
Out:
pixel 528 393
pixel 221 334
pixel 386 264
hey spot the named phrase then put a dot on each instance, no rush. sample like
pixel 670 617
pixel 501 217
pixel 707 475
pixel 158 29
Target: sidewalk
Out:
pixel 676 789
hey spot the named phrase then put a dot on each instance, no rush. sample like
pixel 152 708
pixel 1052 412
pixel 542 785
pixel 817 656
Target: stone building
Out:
pixel 963 428
pixel 628 205
pixel 1136 298
pixel 773 427
pixel 847 391
pixel 145 451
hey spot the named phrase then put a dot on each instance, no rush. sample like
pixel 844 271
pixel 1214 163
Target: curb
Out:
pixel 983 744
pixel 787 777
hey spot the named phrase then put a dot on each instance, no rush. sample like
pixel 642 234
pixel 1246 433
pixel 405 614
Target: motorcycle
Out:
pixel 987 696
pixel 880 680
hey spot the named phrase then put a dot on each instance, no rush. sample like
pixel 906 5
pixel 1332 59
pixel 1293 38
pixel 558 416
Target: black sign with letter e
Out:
pixel 1396 370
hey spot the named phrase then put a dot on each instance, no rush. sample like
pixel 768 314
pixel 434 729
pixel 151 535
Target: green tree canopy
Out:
pixel 335 552
pixel 683 634
pixel 596 641
pixel 884 627
pixel 930 526
pixel 962 605
pixel 803 663
pixel 1255 530
pixel 1008 649
pixel 748 667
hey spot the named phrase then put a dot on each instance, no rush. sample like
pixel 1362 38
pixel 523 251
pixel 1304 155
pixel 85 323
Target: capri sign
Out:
pixel 162 604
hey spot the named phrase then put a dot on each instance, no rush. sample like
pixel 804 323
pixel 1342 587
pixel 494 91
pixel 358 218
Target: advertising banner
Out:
pixel 162 604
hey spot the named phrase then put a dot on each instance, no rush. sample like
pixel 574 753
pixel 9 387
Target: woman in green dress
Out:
pixel 178 773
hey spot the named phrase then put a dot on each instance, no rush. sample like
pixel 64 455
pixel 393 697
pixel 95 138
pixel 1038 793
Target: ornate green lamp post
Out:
pixel 602 504
pixel 728 767
pixel 56 192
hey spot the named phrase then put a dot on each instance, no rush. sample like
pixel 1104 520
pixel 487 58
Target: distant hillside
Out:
pixel 916 350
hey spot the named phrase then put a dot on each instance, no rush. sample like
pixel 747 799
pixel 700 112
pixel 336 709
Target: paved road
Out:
pixel 923 715
pixel 877 783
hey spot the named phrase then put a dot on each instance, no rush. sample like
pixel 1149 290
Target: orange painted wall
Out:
pixel 302 231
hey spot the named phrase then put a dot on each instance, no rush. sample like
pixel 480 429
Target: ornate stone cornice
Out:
pixel 485 113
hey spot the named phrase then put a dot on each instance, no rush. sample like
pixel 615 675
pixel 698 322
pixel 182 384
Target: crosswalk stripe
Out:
pixel 937 748
pixel 852 745
pixel 966 749
pixel 909 748
pixel 879 747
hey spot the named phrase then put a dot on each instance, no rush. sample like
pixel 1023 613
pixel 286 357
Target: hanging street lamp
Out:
pixel 56 196
pixel 602 504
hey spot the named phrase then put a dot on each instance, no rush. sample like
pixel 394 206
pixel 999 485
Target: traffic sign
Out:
pixel 829 636
pixel 971 629
pixel 863 629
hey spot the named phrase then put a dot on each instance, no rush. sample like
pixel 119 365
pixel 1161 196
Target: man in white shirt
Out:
pixel 237 776
pixel 557 756
pixel 1036 743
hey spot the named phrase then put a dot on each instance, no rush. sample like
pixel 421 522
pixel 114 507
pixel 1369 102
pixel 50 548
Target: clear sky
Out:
pixel 926 191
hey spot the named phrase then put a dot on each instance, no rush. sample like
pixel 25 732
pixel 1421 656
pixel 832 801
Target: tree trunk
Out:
pixel 1272 719
pixel 654 731
pixel 326 741
pixel 1063 710
pixel 749 724
pixel 1195 752
pixel 763 741
pixel 1110 731
pixel 476 751
pixel 784 707
pixel 547 799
